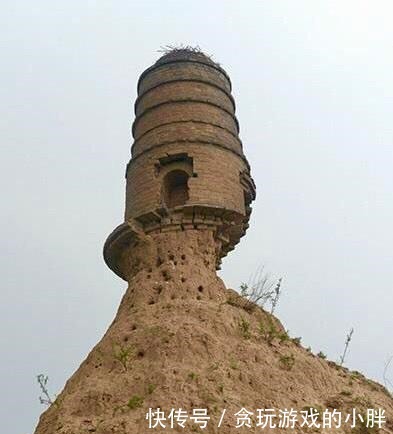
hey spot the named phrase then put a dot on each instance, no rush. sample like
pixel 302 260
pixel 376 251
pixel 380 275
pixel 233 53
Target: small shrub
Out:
pixel 276 295
pixel 270 332
pixel 244 326
pixel 46 399
pixel 267 332
pixel 151 388
pixel 287 362
pixel 123 354
pixel 321 355
pixel 356 375
pixel 386 379
pixel 283 336
pixel 192 376
pixel 347 342
pixel 135 401
pixel 260 290
pixel 297 341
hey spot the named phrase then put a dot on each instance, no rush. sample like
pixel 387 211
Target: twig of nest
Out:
pixel 169 50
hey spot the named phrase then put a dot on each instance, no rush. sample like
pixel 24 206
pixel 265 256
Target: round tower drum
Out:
pixel 187 168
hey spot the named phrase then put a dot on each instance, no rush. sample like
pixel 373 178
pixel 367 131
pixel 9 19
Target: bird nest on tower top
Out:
pixel 171 53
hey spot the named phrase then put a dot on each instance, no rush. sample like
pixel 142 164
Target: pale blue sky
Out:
pixel 312 82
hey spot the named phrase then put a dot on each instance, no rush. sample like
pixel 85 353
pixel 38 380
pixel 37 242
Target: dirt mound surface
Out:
pixel 180 339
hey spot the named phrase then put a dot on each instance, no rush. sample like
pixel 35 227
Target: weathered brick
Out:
pixel 187 168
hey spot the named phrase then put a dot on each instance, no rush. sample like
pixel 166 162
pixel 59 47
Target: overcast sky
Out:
pixel 313 86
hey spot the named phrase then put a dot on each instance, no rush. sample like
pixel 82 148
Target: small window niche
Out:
pixel 175 171
pixel 175 188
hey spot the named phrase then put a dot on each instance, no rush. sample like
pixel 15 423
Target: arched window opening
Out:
pixel 175 188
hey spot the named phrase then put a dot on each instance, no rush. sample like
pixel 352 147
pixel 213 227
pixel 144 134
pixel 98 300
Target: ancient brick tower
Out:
pixel 180 339
pixel 187 170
